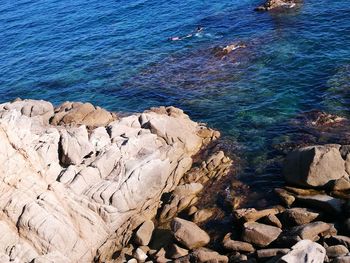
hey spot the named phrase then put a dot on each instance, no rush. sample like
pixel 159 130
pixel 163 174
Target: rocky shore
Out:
pixel 81 184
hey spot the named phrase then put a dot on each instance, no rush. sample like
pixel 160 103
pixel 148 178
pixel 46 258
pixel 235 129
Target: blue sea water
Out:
pixel 116 54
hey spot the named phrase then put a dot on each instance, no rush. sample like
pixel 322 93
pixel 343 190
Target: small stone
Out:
pixel 272 220
pixel 336 251
pixel 237 258
pixel 234 245
pixel 193 209
pixel 175 252
pixel 271 252
pixel 207 255
pixel 311 231
pixel 298 216
pixel 189 234
pixel 133 260
pixel 251 214
pixel 305 251
pixel 144 233
pixel 202 215
pixel 140 255
pixel 260 234
pixel 286 197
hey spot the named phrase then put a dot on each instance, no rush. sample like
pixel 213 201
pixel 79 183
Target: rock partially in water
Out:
pixel 181 198
pixel 189 234
pixel 278 4
pixel 314 166
pixel 77 194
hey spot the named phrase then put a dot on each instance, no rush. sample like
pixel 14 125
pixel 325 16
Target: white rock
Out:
pixel 305 251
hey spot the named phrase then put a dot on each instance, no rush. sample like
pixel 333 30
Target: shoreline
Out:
pixel 81 158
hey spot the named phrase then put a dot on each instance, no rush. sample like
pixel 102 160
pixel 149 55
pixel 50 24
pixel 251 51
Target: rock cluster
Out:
pixel 311 225
pixel 76 180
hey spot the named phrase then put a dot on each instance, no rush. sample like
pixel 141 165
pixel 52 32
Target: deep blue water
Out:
pixel 116 54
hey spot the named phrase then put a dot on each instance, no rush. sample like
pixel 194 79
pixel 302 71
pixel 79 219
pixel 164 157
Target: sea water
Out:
pixel 117 54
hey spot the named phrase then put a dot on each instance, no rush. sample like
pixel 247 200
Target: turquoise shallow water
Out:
pixel 116 54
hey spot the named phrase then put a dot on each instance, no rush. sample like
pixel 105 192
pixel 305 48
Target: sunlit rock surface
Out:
pixel 69 193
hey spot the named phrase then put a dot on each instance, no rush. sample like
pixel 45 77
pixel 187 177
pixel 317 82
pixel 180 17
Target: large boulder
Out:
pixel 77 194
pixel 189 234
pixel 314 166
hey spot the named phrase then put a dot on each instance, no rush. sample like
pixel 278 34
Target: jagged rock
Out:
pixel 202 215
pixel 189 234
pixel 78 113
pixel 311 231
pixel 79 194
pixel 215 167
pixel 298 216
pixel 271 220
pixel 175 252
pixel 314 166
pixel 324 203
pixel 37 110
pixel 234 245
pixel 251 214
pixel 260 234
pixel 271 252
pixel 274 4
pixel 305 251
pixel 181 198
pixel 207 255
pixel 144 234
pixel 75 145
pixel 336 251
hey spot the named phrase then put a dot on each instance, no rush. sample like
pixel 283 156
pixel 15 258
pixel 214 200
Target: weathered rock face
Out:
pixel 314 166
pixel 73 195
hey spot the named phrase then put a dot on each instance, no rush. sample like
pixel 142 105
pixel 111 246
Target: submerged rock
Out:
pixel 76 193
